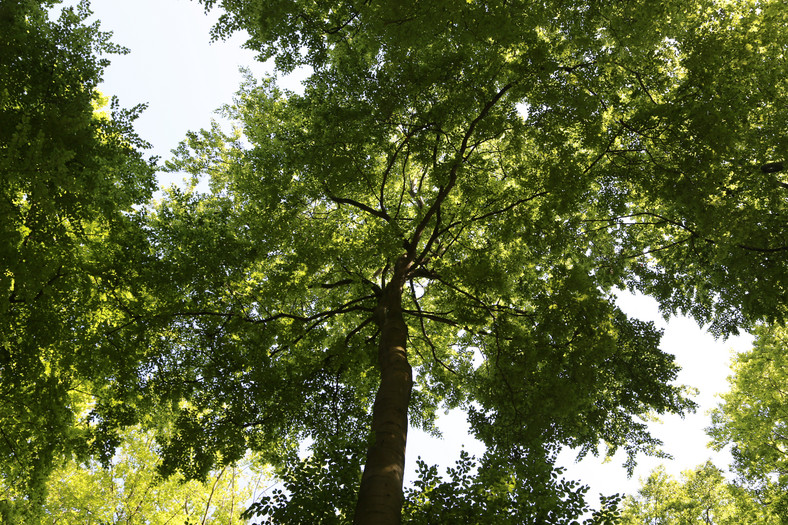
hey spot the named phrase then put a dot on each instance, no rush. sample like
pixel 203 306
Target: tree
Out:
pixel 462 186
pixel 71 173
pixel 130 491
pixel 702 495
pixel 752 419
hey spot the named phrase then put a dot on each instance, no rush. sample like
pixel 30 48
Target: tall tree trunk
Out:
pixel 380 497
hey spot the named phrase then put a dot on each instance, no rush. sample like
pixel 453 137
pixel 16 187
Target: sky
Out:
pixel 184 78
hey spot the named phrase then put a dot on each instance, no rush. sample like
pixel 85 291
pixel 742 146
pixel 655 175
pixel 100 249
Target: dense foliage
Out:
pixel 440 220
pixel 753 417
pixel 462 185
pixel 70 173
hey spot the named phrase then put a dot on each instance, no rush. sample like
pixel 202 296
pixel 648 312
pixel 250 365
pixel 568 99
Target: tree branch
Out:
pixel 358 329
pixel 361 206
pixel 459 160
pixel 343 282
pixel 302 318
pixel 424 332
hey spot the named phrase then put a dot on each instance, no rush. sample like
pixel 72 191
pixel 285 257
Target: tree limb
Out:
pixel 459 160
pixel 361 206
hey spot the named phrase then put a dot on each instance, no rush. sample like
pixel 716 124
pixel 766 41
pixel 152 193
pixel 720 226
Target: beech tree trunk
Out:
pixel 380 497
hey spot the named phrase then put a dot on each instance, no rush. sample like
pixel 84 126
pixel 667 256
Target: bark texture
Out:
pixel 380 497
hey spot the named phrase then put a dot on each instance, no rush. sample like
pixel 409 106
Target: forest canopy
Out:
pixel 440 220
pixel 72 173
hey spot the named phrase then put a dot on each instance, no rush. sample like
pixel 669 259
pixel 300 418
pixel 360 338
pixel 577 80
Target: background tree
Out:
pixel 70 174
pixel 470 182
pixel 752 419
pixel 130 491
pixel 701 495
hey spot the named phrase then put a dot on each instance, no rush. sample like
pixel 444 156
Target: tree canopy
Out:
pixel 441 220
pixel 463 185
pixel 751 420
pixel 71 173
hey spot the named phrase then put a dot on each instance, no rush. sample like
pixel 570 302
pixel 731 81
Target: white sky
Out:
pixel 173 67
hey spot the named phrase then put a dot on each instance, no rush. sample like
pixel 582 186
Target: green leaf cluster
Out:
pixel 523 490
pixel 320 488
pixel 71 173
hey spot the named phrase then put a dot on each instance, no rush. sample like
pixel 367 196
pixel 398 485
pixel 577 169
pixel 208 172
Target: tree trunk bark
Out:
pixel 380 497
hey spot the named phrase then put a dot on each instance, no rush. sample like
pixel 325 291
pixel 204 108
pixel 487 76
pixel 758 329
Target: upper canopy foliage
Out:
pixel 658 118
pixel 528 158
pixel 70 173
pixel 514 163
